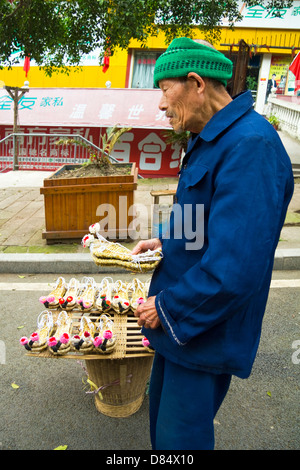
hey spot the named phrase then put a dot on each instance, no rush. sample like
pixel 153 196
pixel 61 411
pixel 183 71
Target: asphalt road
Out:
pixel 50 408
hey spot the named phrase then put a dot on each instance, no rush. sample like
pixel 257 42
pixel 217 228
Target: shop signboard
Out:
pixel 45 114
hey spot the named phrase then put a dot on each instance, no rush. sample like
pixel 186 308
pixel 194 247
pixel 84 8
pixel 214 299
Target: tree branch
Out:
pixel 22 3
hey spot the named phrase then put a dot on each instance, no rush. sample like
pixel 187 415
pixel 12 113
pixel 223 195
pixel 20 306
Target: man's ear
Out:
pixel 199 82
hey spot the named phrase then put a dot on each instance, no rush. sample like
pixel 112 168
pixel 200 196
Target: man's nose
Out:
pixel 162 104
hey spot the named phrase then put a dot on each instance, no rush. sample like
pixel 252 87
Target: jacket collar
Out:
pixel 240 105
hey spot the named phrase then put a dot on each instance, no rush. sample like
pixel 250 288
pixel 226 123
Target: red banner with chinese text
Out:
pixel 146 147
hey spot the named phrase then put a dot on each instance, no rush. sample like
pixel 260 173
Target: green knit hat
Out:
pixel 185 55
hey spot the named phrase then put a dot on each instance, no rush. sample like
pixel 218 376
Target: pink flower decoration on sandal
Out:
pixel 107 334
pixel 87 304
pixel 65 338
pixel 98 341
pixel 146 342
pixel 34 337
pixel 24 342
pixel 52 341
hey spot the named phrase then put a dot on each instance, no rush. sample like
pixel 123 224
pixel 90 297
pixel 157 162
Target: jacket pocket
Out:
pixel 193 175
pixel 192 182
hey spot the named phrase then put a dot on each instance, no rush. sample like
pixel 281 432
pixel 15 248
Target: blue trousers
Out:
pixel 183 404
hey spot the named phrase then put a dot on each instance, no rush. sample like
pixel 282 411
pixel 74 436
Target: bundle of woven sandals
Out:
pixel 86 295
pixel 106 253
pixel 54 324
pixel 54 333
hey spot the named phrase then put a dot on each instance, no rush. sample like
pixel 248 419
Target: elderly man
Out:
pixel 206 301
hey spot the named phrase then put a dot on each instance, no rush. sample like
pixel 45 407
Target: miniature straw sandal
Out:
pixel 138 293
pixel 147 286
pixel 120 300
pixel 146 344
pixel 105 253
pixel 103 300
pixel 52 300
pixel 38 340
pixel 83 341
pixel 68 302
pixel 105 338
pixel 59 344
pixel 87 294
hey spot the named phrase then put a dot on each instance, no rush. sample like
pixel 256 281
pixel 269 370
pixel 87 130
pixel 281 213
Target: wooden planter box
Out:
pixel 72 204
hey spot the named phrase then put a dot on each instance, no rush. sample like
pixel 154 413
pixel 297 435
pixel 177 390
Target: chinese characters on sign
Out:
pixel 89 112
pixel 147 148
pixel 29 102
pixel 259 11
pixel 97 109
pixel 258 15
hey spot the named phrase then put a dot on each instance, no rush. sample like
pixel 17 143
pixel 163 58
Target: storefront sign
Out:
pixel 93 107
pixel 89 112
pixel 146 147
pixel 258 16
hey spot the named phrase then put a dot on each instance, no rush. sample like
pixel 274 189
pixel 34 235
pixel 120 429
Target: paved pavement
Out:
pixel 22 222
pixel 50 407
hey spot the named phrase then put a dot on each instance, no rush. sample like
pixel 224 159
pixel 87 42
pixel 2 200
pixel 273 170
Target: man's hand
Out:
pixel 147 314
pixel 145 245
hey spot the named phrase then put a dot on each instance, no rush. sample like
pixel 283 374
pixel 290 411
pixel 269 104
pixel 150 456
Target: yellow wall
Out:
pixel 93 77
pixel 252 36
pixel 270 37
pixel 88 77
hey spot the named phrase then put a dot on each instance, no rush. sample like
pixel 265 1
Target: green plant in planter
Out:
pixel 100 157
pixel 274 120
pixel 251 83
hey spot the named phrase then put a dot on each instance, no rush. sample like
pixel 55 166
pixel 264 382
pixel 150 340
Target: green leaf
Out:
pixel 15 386
pixel 61 447
pixel 269 394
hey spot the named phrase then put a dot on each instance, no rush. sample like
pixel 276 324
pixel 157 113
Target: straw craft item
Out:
pixel 120 300
pixel 105 337
pixel 138 295
pixel 83 341
pixel 120 384
pixel 146 344
pixel 59 344
pixel 38 340
pixel 87 294
pixel 105 253
pixel 69 300
pixel 104 296
pixel 52 300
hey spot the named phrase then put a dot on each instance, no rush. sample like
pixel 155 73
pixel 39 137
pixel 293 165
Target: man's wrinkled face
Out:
pixel 176 101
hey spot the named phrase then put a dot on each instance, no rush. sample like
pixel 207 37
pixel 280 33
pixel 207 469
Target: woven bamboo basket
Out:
pixel 123 374
pixel 123 383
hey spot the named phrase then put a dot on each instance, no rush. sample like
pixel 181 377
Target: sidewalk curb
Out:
pixel 71 263
pixel 287 259
pixel 39 263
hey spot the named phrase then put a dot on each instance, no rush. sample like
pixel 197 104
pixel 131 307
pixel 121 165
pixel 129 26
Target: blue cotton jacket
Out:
pixel 211 291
